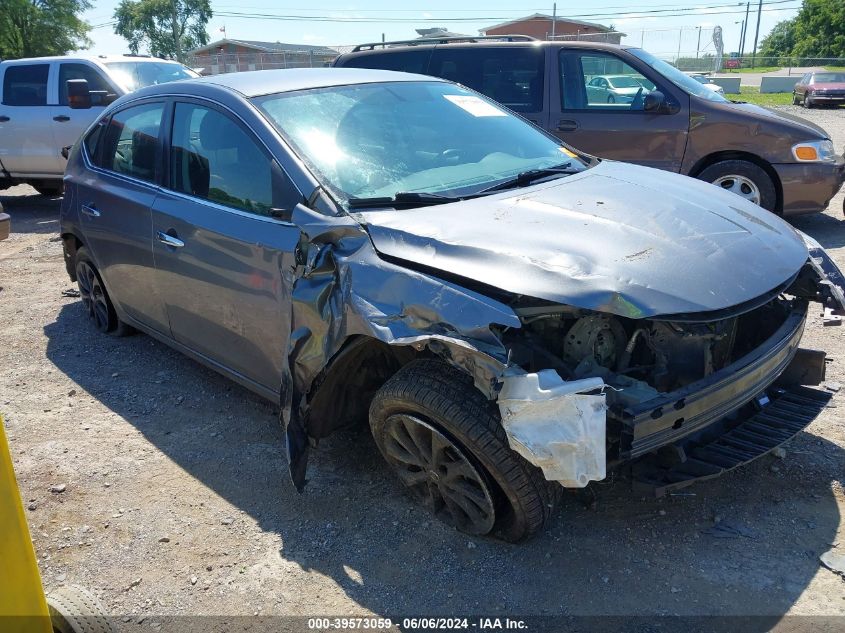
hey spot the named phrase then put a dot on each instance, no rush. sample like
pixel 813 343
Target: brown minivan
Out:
pixel 625 104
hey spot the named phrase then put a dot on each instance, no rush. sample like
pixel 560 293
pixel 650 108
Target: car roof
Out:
pixel 262 82
pixel 91 58
pixel 392 47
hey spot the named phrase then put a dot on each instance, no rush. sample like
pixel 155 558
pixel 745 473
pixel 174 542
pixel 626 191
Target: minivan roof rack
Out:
pixel 443 40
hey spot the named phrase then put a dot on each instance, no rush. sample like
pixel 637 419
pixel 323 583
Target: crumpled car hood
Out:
pixel 617 238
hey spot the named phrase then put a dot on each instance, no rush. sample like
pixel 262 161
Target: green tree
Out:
pixel 780 41
pixel 31 28
pixel 820 29
pixel 165 28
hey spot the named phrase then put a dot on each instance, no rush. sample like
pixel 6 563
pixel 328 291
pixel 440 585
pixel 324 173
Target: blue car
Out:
pixel 510 316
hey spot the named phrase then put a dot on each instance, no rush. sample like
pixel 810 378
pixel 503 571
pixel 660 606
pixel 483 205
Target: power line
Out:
pixel 366 20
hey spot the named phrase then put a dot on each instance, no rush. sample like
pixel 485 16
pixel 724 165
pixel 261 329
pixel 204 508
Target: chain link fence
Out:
pixel 218 63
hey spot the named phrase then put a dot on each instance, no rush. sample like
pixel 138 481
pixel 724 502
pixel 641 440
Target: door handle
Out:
pixel 90 210
pixel 4 118
pixel 61 118
pixel 567 126
pixel 170 240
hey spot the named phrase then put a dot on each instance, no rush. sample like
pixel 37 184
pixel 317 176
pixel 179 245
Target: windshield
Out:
pixel 376 140
pixel 134 75
pixel 682 80
pixel 829 78
pixel 624 82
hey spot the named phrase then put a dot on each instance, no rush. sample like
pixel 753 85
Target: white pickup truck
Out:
pixel 36 120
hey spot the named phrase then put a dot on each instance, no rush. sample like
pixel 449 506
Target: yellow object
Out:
pixel 21 593
pixel 804 152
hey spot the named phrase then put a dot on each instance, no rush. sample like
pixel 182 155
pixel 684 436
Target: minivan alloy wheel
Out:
pixel 741 186
pixel 92 295
pixel 439 474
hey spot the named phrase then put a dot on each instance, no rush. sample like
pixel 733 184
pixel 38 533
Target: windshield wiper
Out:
pixel 527 177
pixel 402 199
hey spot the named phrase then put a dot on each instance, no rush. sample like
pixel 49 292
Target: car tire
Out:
pixel 429 403
pixel 741 175
pixel 50 190
pixel 808 103
pixel 795 99
pixel 611 99
pixel 75 610
pixel 95 299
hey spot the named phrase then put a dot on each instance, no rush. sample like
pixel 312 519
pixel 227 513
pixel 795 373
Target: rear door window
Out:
pixel 513 76
pixel 130 145
pixel 26 85
pixel 95 79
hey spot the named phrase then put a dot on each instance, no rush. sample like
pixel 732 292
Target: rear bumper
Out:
pixel 808 187
pixel 673 416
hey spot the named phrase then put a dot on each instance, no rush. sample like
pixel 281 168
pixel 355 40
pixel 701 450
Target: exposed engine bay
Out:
pixel 637 359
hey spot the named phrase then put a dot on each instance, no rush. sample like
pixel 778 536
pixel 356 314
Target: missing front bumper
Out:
pixel 773 420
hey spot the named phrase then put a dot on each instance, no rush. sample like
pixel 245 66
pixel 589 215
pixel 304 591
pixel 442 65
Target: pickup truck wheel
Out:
pixel 95 299
pixel 49 190
pixel 445 442
pixel 808 103
pixel 743 178
pixel 795 99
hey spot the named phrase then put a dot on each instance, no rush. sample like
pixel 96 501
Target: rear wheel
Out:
pixel 744 178
pixel 95 299
pixel 445 442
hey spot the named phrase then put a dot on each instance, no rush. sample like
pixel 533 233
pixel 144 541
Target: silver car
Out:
pixel 511 317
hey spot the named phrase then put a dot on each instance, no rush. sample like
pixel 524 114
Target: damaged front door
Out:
pixel 223 256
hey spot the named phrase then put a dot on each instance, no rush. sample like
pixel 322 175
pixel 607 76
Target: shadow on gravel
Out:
pixel 745 544
pixel 32 214
pixel 826 230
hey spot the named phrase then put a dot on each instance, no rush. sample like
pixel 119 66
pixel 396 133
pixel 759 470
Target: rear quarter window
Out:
pixel 415 61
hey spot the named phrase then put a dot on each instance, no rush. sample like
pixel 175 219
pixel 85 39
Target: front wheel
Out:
pixel 744 178
pixel 445 442
pixel 808 103
pixel 795 99
pixel 611 99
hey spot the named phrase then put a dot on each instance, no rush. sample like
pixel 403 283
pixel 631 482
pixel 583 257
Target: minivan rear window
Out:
pixel 513 76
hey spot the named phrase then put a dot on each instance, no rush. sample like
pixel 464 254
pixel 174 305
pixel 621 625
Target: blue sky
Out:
pixel 659 31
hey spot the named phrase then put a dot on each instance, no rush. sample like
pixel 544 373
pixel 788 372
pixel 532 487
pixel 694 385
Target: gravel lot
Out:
pixel 177 501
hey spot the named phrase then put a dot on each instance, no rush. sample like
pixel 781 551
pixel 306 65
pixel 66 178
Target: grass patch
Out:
pixel 752 94
pixel 756 69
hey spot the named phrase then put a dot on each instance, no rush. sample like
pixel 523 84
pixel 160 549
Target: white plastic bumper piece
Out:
pixel 554 425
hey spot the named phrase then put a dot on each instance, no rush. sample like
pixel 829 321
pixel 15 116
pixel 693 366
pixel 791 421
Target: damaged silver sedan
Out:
pixel 511 317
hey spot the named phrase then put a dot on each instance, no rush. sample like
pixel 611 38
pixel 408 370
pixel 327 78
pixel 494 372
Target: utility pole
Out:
pixel 554 19
pixel 756 33
pixel 698 45
pixel 744 30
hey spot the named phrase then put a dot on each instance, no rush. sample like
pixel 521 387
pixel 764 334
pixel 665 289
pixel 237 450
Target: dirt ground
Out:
pixel 176 498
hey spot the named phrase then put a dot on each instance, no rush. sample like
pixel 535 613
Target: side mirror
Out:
pixel 78 94
pixel 654 101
